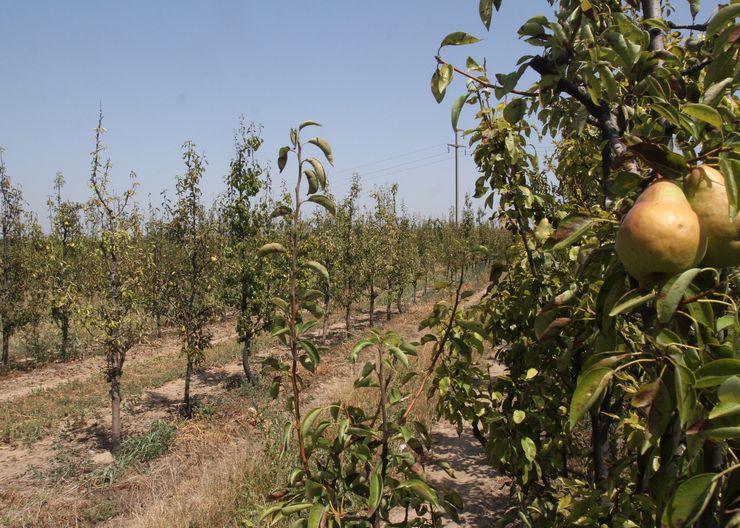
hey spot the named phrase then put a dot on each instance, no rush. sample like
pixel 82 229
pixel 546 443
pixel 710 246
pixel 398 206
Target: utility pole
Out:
pixel 456 146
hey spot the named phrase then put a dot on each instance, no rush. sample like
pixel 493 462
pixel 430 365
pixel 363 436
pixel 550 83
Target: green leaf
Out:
pixel 270 248
pixel 440 80
pixel 519 416
pixel 729 391
pixel 458 38
pixel 631 300
pixel 400 355
pixel 309 419
pixel 324 201
pixel 694 6
pixel 319 170
pixel 724 409
pixel 376 491
pixel 730 168
pixel 307 124
pixel 313 180
pixel 283 157
pixel 723 16
pixel 530 450
pixel 294 508
pixel 420 489
pixel 704 113
pixel 672 294
pixel 716 372
pixel 713 95
pixel 318 268
pixel 316 515
pixel 359 346
pixel 588 390
pixel 457 108
pixel 570 230
pixel 485 9
pixel 325 148
pixel 689 500
pixel 515 110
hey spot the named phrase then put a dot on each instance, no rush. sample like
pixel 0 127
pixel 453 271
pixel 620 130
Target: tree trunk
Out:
pixel 65 336
pixel 388 303
pixel 158 323
pixel 115 400
pixel 186 400
pixel 347 311
pixel 325 329
pixel 6 345
pixel 372 303
pixel 246 352
pixel 399 304
pixel 600 426
pixel 413 297
pixel 426 283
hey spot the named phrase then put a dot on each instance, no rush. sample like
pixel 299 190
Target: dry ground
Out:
pixel 221 462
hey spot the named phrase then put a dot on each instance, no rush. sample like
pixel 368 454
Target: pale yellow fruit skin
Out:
pixel 660 236
pixel 706 192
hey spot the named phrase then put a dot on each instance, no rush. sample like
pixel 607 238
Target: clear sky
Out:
pixel 170 71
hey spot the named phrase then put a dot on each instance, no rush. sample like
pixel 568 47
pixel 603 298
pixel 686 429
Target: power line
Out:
pixel 396 172
pixel 339 171
pixel 391 167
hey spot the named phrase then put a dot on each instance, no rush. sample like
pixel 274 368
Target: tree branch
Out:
pixel 697 67
pixel 483 83
pixel 695 27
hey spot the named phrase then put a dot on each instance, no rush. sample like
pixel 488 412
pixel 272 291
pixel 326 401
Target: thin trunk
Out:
pixel 372 303
pixel 600 425
pixel 64 322
pixel 347 310
pixel 399 305
pixel 653 9
pixel 388 303
pixel 188 403
pixel 158 323
pixel 246 352
pixel 426 283
pixel 327 301
pixel 386 436
pixel 115 400
pixel 413 298
pixel 6 345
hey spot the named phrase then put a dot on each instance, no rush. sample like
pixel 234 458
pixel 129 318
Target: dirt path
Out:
pixel 483 490
pixel 18 384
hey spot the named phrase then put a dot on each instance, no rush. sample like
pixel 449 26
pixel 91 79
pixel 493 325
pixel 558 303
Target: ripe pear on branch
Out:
pixel 660 235
pixel 706 191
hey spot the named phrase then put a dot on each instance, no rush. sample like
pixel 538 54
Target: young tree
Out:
pixel 119 267
pixel 250 280
pixel 193 269
pixel 158 272
pixel 16 306
pixel 63 262
pixel 348 274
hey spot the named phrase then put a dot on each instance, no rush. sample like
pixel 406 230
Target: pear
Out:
pixel 706 192
pixel 661 235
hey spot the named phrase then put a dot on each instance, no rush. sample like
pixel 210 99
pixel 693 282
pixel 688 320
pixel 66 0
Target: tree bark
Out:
pixel 63 346
pixel 399 304
pixel 600 426
pixel 246 352
pixel 186 400
pixel 347 311
pixel 653 9
pixel 6 344
pixel 372 303
pixel 115 400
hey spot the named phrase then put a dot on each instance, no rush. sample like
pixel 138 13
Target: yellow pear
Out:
pixel 706 192
pixel 661 235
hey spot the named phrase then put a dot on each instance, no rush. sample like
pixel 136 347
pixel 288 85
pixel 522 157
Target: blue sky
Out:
pixel 170 71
